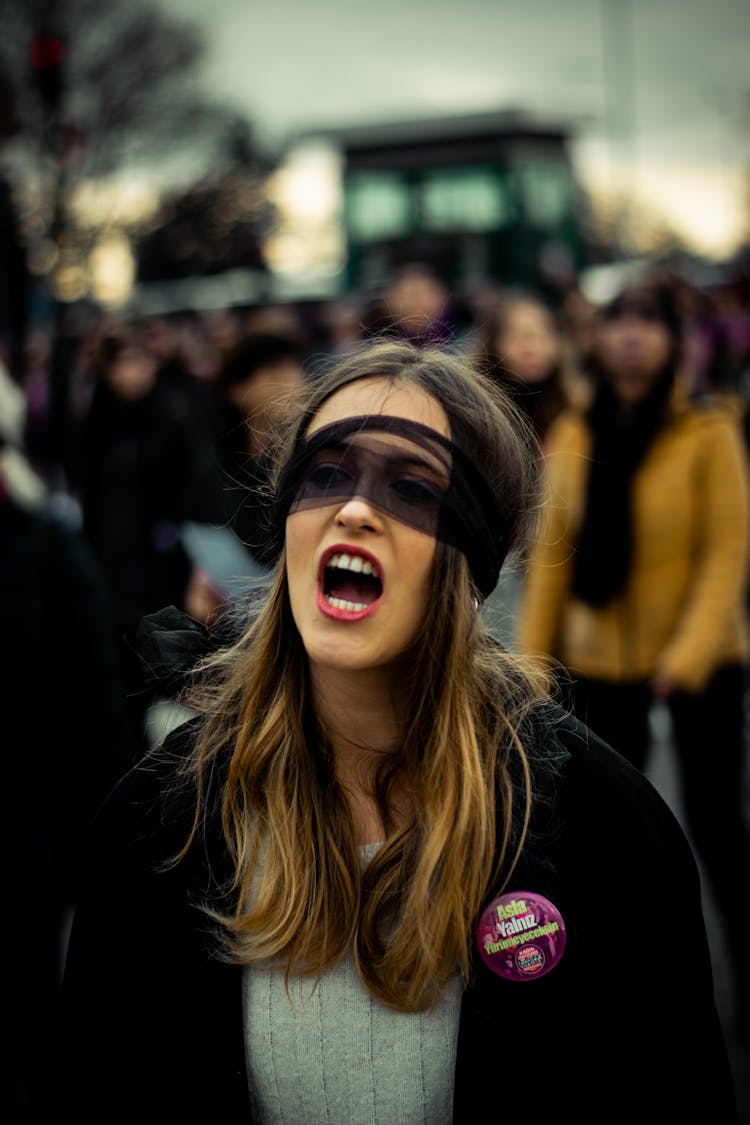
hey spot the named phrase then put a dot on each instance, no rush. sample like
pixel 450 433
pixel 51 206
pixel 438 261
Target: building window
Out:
pixel 464 199
pixel 378 205
pixel 545 189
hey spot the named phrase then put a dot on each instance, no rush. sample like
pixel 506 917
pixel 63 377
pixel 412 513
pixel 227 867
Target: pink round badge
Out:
pixel 521 935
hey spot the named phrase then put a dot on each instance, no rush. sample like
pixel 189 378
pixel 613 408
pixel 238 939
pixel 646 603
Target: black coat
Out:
pixel 62 695
pixel 245 483
pixel 65 741
pixel 137 480
pixel 623 1028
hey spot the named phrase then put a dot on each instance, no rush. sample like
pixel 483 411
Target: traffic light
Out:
pixel 46 56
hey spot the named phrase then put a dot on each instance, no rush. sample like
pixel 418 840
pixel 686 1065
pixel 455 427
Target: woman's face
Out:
pixel 266 388
pixel 633 350
pixel 359 579
pixel 132 374
pixel 527 343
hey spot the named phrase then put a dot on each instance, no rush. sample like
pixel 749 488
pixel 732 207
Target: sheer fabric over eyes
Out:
pixel 393 473
pixel 406 470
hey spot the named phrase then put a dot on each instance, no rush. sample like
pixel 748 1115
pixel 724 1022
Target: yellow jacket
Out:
pixel 684 610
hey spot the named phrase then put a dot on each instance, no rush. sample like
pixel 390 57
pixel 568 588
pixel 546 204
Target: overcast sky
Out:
pixel 658 91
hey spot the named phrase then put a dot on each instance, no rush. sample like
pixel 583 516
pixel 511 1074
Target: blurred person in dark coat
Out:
pixel 250 389
pixel 65 741
pixel 142 465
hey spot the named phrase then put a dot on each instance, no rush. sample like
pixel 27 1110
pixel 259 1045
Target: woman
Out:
pixel 137 472
pixel 521 346
pixel 380 875
pixel 248 393
pixel 638 584
pixel 522 349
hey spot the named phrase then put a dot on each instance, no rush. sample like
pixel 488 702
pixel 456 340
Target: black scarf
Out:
pixel 620 441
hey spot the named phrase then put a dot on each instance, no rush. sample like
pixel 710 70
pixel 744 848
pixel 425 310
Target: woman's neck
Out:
pixel 358 713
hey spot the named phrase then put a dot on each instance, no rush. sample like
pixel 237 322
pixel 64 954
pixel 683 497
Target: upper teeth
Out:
pixel 352 562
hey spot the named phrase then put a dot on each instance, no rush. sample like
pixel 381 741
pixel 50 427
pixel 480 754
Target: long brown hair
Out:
pixel 299 897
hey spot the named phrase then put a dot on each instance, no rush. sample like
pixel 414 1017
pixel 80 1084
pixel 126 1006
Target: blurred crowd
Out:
pixel 151 489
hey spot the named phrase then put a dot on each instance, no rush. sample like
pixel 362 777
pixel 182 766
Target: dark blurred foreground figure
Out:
pixel 638 583
pixel 65 743
pixel 379 874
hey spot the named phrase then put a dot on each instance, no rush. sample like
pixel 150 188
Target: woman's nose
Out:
pixel 359 514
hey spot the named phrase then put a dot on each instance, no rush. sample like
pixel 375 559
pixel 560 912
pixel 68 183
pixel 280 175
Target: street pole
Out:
pixel 618 53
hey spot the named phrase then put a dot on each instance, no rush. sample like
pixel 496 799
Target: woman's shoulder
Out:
pixel 568 428
pixel 599 829
pixel 705 408
pixel 174 779
pixel 713 427
pixel 593 763
pixel 603 800
pixel 155 795
pixel 721 415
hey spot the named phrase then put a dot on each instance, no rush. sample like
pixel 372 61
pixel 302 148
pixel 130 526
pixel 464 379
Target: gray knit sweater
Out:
pixel 335 1056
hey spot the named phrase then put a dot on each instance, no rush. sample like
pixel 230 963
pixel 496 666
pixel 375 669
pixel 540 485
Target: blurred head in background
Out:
pixel 637 341
pixel 257 375
pixel 127 365
pixel 521 347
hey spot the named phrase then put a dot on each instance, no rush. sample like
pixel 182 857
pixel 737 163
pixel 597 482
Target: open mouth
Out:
pixel 351 582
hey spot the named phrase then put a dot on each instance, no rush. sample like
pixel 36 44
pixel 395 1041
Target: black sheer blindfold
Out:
pixel 410 472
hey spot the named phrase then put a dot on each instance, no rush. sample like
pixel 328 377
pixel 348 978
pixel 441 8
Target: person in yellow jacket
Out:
pixel 637 582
